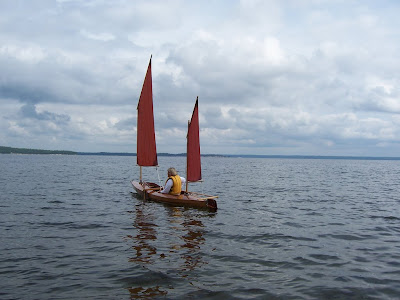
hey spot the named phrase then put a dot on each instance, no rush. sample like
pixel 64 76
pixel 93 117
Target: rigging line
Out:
pixel 158 174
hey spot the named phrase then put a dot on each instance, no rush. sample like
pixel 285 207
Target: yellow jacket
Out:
pixel 176 186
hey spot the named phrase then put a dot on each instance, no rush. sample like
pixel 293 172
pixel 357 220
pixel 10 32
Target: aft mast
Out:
pixel 146 139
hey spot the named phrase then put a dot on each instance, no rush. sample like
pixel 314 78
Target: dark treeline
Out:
pixel 9 150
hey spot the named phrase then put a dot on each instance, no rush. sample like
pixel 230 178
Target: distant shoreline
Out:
pixel 11 150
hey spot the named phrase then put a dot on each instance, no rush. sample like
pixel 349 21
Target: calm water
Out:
pixel 71 228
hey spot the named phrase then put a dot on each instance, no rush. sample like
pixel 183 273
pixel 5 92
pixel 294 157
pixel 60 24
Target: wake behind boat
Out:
pixel 147 154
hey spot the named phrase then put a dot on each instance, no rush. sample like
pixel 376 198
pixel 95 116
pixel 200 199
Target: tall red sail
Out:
pixel 193 147
pixel 146 138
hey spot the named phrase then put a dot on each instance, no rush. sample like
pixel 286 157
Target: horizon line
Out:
pixel 304 156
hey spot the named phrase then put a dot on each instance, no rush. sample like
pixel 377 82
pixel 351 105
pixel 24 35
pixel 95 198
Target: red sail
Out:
pixel 193 147
pixel 146 139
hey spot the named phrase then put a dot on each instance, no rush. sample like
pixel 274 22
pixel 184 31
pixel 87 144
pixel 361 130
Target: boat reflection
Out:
pixel 167 244
pixel 146 232
pixel 191 238
pixel 146 293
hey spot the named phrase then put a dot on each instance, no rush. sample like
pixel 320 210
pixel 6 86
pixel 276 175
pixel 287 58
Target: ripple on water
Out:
pixel 285 229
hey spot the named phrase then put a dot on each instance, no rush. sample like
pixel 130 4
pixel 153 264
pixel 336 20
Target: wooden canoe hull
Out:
pixel 149 190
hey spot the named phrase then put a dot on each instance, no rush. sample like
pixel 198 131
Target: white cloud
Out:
pixel 104 37
pixel 26 54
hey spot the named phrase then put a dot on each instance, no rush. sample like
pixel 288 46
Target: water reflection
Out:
pixel 168 241
pixel 146 232
pixel 191 238
pixel 146 293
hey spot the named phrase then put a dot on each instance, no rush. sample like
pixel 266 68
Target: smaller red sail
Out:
pixel 146 139
pixel 193 147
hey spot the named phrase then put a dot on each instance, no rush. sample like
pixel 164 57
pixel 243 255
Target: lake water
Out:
pixel 72 228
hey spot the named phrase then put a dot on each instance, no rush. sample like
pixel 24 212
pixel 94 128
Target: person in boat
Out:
pixel 174 183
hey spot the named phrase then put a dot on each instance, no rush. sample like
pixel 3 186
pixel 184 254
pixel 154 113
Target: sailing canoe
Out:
pixel 147 154
pixel 149 190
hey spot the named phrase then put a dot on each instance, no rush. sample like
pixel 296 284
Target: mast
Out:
pixel 187 141
pixel 193 160
pixel 146 140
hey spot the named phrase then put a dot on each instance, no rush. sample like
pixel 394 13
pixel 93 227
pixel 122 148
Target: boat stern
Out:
pixel 212 204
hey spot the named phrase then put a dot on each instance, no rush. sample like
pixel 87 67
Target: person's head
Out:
pixel 172 172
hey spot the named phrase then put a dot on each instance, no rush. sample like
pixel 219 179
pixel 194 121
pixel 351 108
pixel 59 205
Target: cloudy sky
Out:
pixel 306 77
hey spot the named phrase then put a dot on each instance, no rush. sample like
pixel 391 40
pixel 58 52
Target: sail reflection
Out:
pixel 191 239
pixel 146 293
pixel 146 228
pixel 167 244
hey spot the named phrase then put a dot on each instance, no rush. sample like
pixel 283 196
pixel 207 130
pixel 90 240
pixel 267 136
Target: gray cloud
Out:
pixel 29 111
pixel 275 77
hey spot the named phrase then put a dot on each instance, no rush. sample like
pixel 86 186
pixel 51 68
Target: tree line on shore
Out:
pixel 11 150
